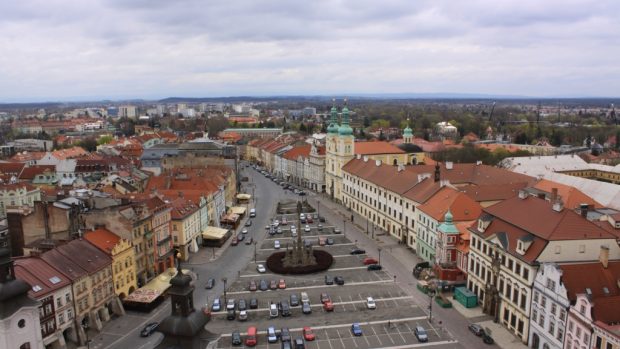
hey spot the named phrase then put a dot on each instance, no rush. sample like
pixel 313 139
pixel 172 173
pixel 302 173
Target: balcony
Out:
pixel 164 241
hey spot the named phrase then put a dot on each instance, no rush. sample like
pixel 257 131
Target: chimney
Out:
pixel 584 210
pixel 604 256
pixel 522 194
pixel 358 156
pixel 449 165
pixel 401 167
pixel 554 194
pixel 365 158
pixel 437 173
pixel 558 206
pixel 478 163
pixel 378 163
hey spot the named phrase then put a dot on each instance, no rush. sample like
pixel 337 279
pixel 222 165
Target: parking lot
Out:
pixel 391 324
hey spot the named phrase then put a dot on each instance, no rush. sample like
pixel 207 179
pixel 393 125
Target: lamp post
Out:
pixel 432 290
pixel 318 208
pixel 344 228
pixel 224 280
pixel 85 327
pixel 255 242
pixel 379 249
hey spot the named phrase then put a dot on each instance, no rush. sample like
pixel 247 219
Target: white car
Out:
pixel 370 303
pixel 244 231
pixel 276 244
pixel 231 304
pixel 294 233
pixel 276 223
pixel 293 227
pixel 261 268
pixel 307 228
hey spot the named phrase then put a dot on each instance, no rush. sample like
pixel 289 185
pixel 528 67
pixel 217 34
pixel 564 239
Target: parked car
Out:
pixel 286 345
pixel 321 219
pixel 322 241
pixel 149 329
pixel 273 310
pixel 231 314
pixel 281 284
pixel 476 329
pixel 285 334
pixel 320 227
pixel 356 329
pixel 370 303
pixel 294 300
pixel 267 227
pixel 486 338
pixel 276 244
pixel 325 297
pixel 329 280
pixel 304 297
pixel 285 309
pixel 242 305
pixel 249 241
pixel 375 267
pixel 234 241
pixel 240 237
pixel 263 286
pixel 329 241
pixel 217 306
pixel 284 221
pixel 252 286
pixel 357 251
pixel 309 219
pixel 210 283
pixel 306 308
pixel 328 306
pixel 248 223
pixel 302 193
pixel 251 339
pixel 231 305
pixel 337 231
pixel 272 337
pixel 243 315
pixel 339 280
pixel 261 268
pixel 308 334
pixel 420 334
pixel 279 230
pixel 244 231
pixel 307 228
pixel 253 303
pixel 236 338
pixel 370 260
pixel 299 343
pixel 273 285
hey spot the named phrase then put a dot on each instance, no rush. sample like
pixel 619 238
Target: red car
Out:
pixel 309 219
pixel 282 284
pixel 369 260
pixel 308 334
pixel 235 242
pixel 252 285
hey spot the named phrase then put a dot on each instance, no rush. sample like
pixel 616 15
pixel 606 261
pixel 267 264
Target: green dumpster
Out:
pixel 465 297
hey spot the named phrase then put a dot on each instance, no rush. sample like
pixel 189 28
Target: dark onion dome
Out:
pixel 410 148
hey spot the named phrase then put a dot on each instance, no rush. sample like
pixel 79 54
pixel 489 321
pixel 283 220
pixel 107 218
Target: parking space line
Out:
pixel 340 337
pixel 375 332
pixel 401 335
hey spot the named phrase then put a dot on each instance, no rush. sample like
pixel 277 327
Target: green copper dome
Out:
pixel 448 227
pixel 408 131
pixel 333 122
pixel 345 129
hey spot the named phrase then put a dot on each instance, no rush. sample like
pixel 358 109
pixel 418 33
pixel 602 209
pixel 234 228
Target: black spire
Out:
pixel 437 172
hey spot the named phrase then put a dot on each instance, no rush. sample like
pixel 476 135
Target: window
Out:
pixel 558 249
pixel 582 248
pixel 523 299
pixel 562 314
pixel 518 269
pixel 560 335
pixel 541 320
pixel 570 326
pixel 536 296
pixel 21 324
pixel 526 273
pixel 534 315
pixel 553 308
pixel 551 328
pixel 59 302
pixel 543 302
pixel 598 342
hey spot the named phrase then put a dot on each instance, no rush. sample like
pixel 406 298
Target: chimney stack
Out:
pixel 604 256
pixel 522 194
pixel 554 195
pixel 584 210
pixel 378 163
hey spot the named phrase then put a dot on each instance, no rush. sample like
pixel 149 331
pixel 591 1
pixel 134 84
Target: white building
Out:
pixel 127 111
pixel 550 305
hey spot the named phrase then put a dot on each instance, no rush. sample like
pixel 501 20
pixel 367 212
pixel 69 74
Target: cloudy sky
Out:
pixel 85 49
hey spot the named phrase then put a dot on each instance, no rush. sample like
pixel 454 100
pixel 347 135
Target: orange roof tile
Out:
pixel 371 148
pixel 103 239
pixel 295 152
pixel 571 196
pixel 462 207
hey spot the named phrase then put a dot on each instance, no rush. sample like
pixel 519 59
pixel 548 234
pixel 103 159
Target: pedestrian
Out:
pixel 389 324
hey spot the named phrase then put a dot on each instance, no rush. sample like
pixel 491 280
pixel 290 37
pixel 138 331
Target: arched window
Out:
pixel 395 162
pixel 25 346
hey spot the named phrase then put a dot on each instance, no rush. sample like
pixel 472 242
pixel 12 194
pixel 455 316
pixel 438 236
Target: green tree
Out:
pixel 89 144
pixel 104 139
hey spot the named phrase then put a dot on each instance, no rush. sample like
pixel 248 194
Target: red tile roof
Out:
pixel 571 196
pixel 182 208
pixel 103 239
pixel 36 272
pixel 374 148
pixel 462 207
pixel 536 216
pixel 11 168
pixel 69 153
pixel 30 172
pixel 297 151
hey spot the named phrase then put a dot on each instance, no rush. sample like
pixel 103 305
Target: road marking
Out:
pixel 375 333
pixel 320 286
pixel 406 346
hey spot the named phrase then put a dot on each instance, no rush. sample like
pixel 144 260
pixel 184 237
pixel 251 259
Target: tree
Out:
pixel 381 135
pixel 89 144
pixel 302 128
pixel 104 139
pixel 366 121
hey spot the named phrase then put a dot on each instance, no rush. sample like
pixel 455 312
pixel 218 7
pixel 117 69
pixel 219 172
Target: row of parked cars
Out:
pixel 273 336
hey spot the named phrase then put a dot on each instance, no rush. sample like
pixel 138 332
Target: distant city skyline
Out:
pixel 152 49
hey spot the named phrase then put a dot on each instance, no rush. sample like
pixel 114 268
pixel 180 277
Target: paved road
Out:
pixel 123 332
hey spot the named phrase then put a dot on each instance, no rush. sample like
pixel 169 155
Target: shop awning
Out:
pixel 238 210
pixel 154 288
pixel 230 218
pixel 244 196
pixel 214 233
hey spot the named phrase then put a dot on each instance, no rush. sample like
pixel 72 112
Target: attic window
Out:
pixel 55 280
pixel 36 288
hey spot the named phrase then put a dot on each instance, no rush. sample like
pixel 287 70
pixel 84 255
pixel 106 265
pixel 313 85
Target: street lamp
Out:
pixel 224 280
pixel 344 228
pixel 318 208
pixel 432 290
pixel 85 327
pixel 255 242
pixel 379 249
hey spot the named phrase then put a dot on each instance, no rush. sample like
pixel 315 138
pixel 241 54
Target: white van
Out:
pixel 304 297
pixel 252 213
pixel 273 310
